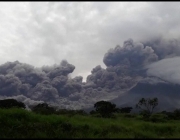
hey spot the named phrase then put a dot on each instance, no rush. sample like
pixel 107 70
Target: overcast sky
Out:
pixel 44 33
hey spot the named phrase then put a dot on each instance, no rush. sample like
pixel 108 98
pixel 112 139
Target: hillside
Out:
pixel 166 92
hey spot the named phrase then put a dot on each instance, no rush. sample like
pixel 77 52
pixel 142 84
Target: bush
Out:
pixel 129 115
pixel 170 115
pixel 105 108
pixel 176 114
pixel 9 103
pixel 80 112
pixel 43 109
pixel 158 117
pixel 66 126
pixel 97 115
pixel 125 110
pixel 145 114
pixel 70 112
pixel 92 112
pixel 139 117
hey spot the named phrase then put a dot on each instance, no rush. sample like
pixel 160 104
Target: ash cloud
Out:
pixel 164 48
pixel 168 51
pixel 46 83
pixel 63 69
pixel 125 67
pixel 9 85
pixel 128 65
pixel 131 54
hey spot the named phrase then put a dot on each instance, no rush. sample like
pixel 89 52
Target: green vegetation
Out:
pixel 46 122
pixel 105 108
pixel 19 123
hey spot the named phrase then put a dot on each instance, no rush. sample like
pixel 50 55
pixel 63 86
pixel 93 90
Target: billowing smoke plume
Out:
pixel 168 52
pixel 131 54
pixel 46 83
pixel 10 85
pixel 164 48
pixel 125 67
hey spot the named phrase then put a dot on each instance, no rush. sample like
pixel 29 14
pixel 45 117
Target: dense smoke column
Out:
pixel 9 85
pixel 64 69
pixel 96 75
pixel 124 68
pixel 46 83
pixel 72 87
pixel 26 73
pixel 124 65
pixel 44 91
pixel 24 89
pixel 59 85
pixel 131 54
pixel 59 79
pixel 164 48
pixel 59 82
pixel 7 67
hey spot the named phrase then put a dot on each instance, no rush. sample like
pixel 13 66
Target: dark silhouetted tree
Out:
pixel 92 112
pixel 43 108
pixel 176 114
pixel 105 108
pixel 147 105
pixel 9 103
pixel 125 109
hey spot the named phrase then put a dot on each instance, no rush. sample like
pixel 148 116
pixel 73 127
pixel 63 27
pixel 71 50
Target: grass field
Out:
pixel 19 123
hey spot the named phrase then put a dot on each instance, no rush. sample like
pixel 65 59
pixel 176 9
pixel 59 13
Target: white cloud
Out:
pixel 167 69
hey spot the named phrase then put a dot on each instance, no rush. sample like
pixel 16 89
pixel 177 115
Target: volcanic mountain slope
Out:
pixel 150 87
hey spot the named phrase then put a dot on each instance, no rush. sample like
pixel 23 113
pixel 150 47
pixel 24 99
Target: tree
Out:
pixel 92 112
pixel 125 109
pixel 9 103
pixel 43 108
pixel 105 108
pixel 147 105
pixel 176 114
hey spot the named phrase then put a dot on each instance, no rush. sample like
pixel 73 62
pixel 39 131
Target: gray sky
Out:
pixel 44 33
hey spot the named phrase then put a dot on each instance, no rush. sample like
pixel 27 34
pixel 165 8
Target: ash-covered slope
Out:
pixel 167 93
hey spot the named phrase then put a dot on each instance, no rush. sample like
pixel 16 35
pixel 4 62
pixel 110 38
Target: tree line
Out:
pixel 104 109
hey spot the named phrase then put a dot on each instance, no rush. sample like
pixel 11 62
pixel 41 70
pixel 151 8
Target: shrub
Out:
pixel 145 114
pixel 176 114
pixel 92 112
pixel 97 115
pixel 43 109
pixel 158 117
pixel 125 110
pixel 9 103
pixel 70 112
pixel 129 115
pixel 105 108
